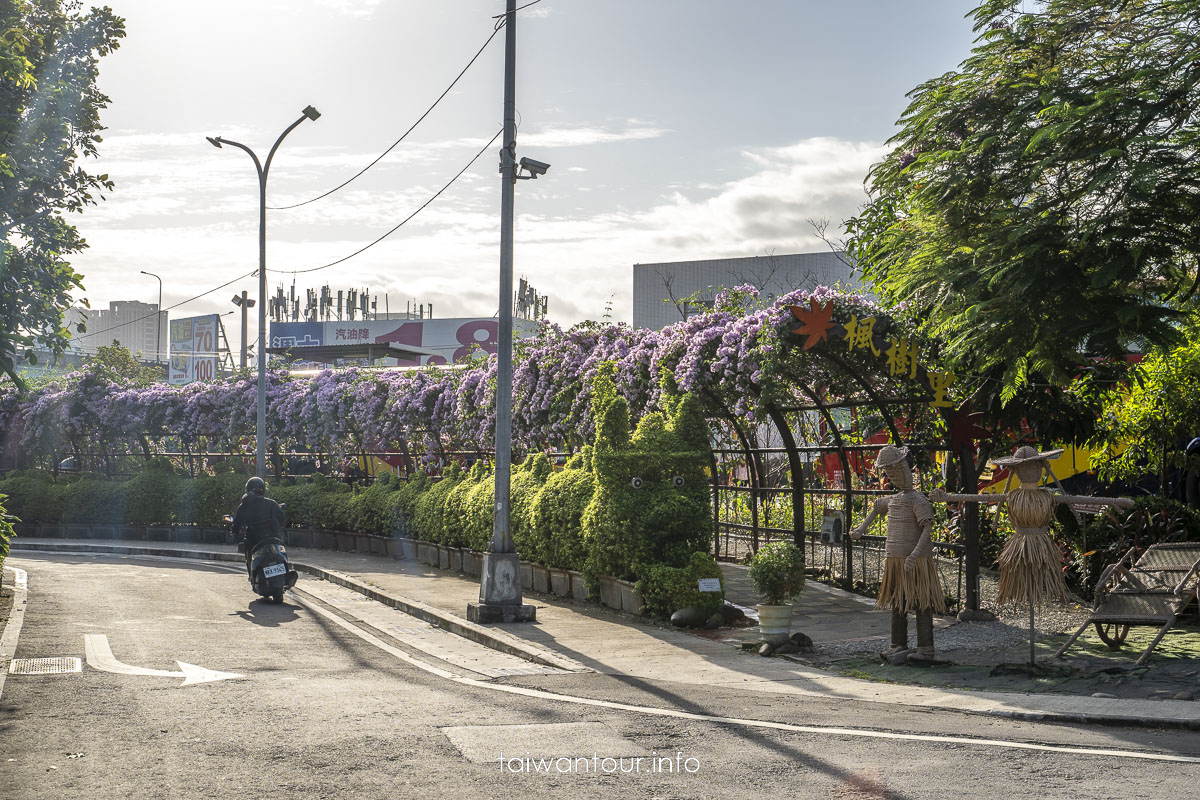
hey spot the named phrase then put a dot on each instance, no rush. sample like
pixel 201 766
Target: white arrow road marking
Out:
pixel 100 656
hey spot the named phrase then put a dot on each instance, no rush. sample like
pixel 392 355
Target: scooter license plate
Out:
pixel 274 570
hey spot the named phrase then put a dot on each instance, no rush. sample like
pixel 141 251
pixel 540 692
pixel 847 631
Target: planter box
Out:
pixel 103 532
pixel 427 553
pixel 610 592
pixel 541 579
pixel 213 535
pixel 135 533
pixel 300 537
pixel 408 548
pixel 631 601
pixel 774 622
pixel 579 587
pixel 560 582
pixel 326 540
pixel 472 563
pixel 345 542
pixel 180 534
pixel 50 530
pixel 526 575
pixel 456 558
pixel 443 553
pixel 74 530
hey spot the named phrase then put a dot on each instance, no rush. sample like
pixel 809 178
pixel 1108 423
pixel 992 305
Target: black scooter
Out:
pixel 270 571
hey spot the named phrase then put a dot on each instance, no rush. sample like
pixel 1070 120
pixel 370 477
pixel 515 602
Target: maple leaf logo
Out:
pixel 817 321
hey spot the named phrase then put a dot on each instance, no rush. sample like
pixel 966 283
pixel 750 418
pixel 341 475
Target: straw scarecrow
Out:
pixel 910 579
pixel 1030 562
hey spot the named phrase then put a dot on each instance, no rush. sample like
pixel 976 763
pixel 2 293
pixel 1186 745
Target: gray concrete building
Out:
pixel 670 291
pixel 134 324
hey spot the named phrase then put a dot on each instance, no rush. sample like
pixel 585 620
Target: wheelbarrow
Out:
pixel 1154 589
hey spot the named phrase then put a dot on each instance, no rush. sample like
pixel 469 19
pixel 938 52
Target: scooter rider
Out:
pixel 257 517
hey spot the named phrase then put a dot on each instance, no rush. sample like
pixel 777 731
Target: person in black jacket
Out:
pixel 257 517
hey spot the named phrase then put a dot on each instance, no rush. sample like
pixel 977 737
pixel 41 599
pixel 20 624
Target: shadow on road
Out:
pixel 268 614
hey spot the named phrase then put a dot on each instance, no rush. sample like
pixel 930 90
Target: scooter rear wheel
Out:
pixel 277 595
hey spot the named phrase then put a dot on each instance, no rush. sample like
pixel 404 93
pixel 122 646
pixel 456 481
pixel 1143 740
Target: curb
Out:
pixel 488 637
pixel 12 628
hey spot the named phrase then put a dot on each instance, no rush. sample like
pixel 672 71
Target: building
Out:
pixel 668 292
pixel 139 328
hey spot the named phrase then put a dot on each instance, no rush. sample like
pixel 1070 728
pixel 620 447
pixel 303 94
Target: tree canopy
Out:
pixel 1041 204
pixel 49 121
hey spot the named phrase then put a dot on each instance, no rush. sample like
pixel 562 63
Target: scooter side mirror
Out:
pixel 283 506
pixel 228 520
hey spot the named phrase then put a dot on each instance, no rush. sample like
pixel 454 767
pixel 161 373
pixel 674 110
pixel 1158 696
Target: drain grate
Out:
pixel 44 666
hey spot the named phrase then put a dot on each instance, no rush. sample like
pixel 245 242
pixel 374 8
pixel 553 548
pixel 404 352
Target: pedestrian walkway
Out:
pixel 623 645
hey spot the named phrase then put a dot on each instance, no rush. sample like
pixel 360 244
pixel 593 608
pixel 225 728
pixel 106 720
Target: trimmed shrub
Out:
pixel 455 518
pixel 93 499
pixel 777 571
pixel 666 589
pixel 406 502
pixel 217 495
pixel 33 496
pixel 151 495
pixel 527 481
pixel 481 513
pixel 6 529
pixel 557 518
pixel 430 508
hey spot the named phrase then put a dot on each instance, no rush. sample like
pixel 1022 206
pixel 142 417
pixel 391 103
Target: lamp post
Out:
pixel 157 319
pixel 260 453
pixel 500 581
pixel 245 303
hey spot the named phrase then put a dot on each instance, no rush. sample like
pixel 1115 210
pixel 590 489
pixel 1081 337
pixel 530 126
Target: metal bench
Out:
pixel 1153 589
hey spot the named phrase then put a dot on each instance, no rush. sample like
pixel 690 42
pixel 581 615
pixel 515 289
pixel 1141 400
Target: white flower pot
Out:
pixel 774 621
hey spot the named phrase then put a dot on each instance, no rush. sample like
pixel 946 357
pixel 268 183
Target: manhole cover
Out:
pixel 44 666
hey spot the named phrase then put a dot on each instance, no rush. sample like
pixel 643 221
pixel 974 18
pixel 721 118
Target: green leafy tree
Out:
pixel 116 363
pixel 1041 205
pixel 1145 424
pixel 49 121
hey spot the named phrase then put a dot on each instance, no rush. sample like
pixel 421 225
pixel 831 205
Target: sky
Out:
pixel 675 130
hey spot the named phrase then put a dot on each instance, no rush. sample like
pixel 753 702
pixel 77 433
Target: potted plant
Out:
pixel 777 572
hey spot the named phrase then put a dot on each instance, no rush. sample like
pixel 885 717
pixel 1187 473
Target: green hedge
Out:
pixel 6 529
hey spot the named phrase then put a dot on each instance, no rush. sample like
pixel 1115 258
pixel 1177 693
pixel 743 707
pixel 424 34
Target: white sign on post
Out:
pixel 710 584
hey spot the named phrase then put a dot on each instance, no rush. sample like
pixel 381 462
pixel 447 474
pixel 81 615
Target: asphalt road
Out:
pixel 323 713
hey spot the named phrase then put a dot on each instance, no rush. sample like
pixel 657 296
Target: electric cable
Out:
pixel 402 137
pixel 401 223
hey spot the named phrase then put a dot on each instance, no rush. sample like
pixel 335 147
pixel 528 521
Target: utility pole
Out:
pixel 500 583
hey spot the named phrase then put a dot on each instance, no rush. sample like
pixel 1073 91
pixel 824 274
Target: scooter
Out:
pixel 270 571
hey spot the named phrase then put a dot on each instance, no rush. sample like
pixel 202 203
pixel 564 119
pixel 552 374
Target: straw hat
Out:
pixel 1024 455
pixel 889 455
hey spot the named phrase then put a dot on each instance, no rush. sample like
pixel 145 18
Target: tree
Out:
pixel 1146 424
pixel 116 363
pixel 49 121
pixel 1041 206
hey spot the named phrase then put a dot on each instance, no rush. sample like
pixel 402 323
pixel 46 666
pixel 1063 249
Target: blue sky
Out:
pixel 676 129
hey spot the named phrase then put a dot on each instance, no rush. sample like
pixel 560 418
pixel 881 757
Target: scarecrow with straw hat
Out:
pixel 1030 562
pixel 910 579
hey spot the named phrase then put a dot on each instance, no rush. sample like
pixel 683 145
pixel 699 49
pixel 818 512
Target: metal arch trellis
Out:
pixel 734 538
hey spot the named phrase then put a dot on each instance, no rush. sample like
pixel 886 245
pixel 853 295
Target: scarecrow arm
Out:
pixel 878 508
pixel 940 496
pixel 1120 502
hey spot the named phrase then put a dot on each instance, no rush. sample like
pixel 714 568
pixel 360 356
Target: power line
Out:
pixel 406 133
pixel 250 274
pixel 402 222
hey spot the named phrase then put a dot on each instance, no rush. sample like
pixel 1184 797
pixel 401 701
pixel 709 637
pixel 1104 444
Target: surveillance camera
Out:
pixel 535 168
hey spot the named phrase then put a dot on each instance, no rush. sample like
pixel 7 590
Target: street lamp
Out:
pixel 260 456
pixel 245 303
pixel 157 319
pixel 500 581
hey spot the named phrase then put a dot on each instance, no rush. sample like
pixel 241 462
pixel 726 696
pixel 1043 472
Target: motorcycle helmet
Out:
pixel 256 485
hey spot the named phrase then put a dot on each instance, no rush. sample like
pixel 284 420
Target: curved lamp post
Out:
pixel 260 455
pixel 157 319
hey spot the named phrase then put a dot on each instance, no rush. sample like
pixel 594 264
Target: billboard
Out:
pixel 193 348
pixel 450 340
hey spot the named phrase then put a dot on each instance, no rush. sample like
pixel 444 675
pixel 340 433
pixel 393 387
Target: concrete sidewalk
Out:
pixel 585 635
